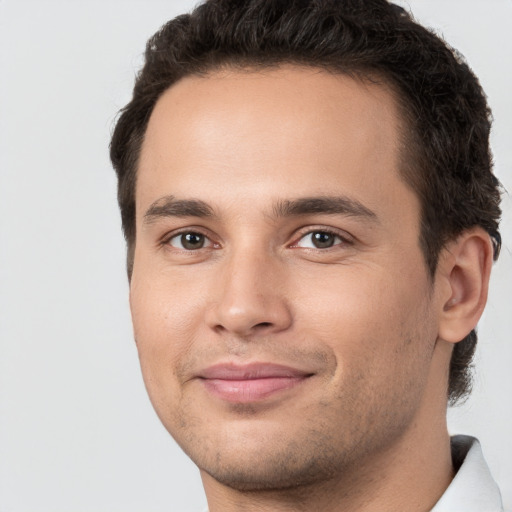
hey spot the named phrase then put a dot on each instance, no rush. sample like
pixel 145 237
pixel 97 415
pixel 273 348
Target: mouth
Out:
pixel 250 383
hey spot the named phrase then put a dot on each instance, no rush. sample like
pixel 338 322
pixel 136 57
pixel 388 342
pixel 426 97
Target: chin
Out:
pixel 270 461
pixel 278 472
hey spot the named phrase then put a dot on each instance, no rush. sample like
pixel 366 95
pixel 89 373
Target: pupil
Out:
pixel 322 240
pixel 192 240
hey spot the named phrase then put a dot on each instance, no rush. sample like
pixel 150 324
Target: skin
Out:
pixel 366 430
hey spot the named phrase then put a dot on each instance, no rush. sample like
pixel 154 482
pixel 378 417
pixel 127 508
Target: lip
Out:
pixel 250 383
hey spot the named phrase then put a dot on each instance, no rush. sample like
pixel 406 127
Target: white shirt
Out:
pixel 473 488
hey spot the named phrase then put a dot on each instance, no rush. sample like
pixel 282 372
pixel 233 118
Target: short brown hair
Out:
pixel 447 162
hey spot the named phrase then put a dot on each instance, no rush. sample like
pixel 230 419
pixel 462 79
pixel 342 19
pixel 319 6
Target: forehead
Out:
pixel 262 132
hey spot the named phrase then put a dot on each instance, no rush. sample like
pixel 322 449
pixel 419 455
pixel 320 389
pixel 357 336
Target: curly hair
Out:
pixel 446 157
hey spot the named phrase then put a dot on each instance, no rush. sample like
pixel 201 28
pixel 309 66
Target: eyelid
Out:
pixel 165 240
pixel 342 235
pixel 299 234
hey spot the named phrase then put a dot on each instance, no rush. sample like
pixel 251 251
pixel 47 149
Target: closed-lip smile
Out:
pixel 250 382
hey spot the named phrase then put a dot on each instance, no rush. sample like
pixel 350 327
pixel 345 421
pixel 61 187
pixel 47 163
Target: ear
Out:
pixel 464 267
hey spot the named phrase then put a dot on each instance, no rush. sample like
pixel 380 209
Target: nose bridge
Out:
pixel 251 292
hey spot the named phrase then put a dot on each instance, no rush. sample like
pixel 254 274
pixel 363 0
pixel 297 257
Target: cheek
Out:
pixel 165 324
pixel 378 334
pixel 163 309
pixel 366 315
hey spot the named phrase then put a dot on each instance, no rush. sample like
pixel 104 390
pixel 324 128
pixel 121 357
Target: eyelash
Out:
pixel 167 240
pixel 345 240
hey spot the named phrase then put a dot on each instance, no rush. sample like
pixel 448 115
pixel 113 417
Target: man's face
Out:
pixel 282 310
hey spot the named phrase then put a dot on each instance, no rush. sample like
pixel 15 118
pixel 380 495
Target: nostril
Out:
pixel 263 324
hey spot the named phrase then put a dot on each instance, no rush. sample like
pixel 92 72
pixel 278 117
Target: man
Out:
pixel 311 217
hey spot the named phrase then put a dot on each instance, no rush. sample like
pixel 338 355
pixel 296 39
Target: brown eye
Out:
pixel 189 241
pixel 319 240
pixel 322 240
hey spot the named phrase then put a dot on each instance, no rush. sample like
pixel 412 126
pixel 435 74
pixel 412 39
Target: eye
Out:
pixel 189 241
pixel 319 240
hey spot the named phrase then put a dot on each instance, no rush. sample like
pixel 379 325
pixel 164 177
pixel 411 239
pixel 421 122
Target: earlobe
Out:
pixel 465 267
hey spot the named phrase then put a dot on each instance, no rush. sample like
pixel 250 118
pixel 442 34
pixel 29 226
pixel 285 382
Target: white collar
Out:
pixel 473 488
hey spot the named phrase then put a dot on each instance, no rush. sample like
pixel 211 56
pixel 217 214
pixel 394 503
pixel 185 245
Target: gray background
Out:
pixel 77 432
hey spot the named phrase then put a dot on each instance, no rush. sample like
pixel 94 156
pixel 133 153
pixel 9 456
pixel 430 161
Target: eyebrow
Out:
pixel 330 205
pixel 169 206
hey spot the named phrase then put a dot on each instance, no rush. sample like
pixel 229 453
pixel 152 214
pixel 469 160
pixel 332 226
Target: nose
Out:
pixel 251 296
